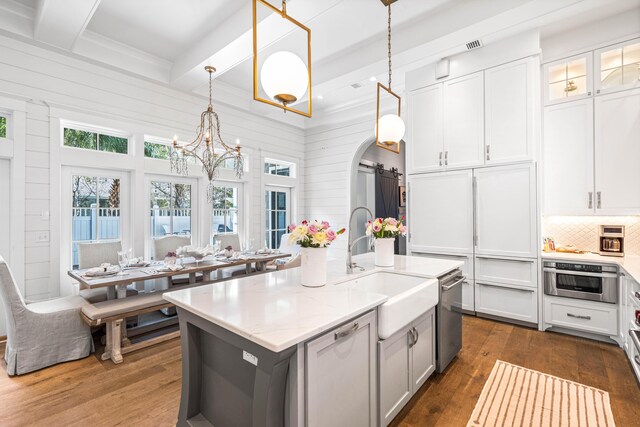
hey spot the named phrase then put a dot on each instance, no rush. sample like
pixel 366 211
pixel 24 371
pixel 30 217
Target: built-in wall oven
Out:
pixel 592 282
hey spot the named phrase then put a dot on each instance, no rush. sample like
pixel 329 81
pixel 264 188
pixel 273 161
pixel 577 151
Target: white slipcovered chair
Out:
pixel 286 248
pixel 44 333
pixel 92 255
pixel 163 245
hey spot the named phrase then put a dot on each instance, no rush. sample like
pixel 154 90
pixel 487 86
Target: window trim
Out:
pixel 239 185
pixel 279 162
pixel 99 130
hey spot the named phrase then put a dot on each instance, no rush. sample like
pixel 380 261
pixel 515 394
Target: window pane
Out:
pixel 182 221
pixel 181 196
pixel 611 59
pixel 83 191
pixel 283 171
pixel 157 151
pixel 160 194
pixel 3 127
pixel 631 54
pixel 113 144
pixel 80 139
pixel 281 200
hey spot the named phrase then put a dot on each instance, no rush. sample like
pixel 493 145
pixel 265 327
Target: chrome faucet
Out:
pixel 352 265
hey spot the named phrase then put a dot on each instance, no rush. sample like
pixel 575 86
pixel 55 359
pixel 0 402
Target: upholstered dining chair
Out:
pixel 93 255
pixel 286 248
pixel 228 239
pixel 43 333
pixel 163 245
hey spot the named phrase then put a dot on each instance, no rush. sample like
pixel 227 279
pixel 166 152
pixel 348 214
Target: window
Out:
pixel 225 210
pixel 95 211
pixel 3 127
pixel 277 167
pixel 620 66
pixel 170 209
pixel 277 215
pixel 157 151
pixel 95 141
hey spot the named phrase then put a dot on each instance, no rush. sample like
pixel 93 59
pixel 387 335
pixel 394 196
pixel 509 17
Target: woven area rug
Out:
pixel 516 396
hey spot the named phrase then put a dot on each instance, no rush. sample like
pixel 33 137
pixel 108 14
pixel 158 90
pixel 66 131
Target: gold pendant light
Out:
pixel 390 127
pixel 283 77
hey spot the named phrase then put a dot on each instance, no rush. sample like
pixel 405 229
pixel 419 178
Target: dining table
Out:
pixel 117 283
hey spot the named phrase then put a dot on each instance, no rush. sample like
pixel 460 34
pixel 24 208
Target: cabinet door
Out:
pixel 340 375
pixel 464 121
pixel 568 158
pixel 507 302
pixel 506 211
pixel 395 384
pixel 617 67
pixel 424 136
pixel 509 112
pixel 440 212
pixel 617 135
pixel 423 352
pixel 568 79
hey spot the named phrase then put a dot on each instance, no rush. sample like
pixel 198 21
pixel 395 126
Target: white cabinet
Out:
pixel 517 272
pixel 440 210
pixel 424 130
pixel 509 112
pixel 588 316
pixel 506 211
pixel 464 121
pixel 406 360
pixel 617 67
pixel 341 375
pixel 568 79
pixel 509 302
pixel 568 159
pixel 617 153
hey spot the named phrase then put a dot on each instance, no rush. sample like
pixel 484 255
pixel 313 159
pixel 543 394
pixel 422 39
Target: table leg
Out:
pixel 192 278
pixel 116 352
pixel 121 292
pixel 111 292
pixel 248 267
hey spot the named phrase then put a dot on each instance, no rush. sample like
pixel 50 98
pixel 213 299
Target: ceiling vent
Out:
pixel 474 44
pixel 356 85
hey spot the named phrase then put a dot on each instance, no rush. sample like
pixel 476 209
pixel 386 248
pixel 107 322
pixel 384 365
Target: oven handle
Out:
pixel 581 273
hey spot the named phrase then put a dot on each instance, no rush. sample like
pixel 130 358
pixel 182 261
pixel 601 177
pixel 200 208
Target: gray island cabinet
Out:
pixel 265 351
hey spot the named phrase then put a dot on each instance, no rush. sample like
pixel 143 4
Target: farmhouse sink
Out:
pixel 409 297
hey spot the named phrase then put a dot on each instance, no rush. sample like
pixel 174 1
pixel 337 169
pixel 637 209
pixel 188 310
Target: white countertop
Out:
pixel 275 311
pixel 630 263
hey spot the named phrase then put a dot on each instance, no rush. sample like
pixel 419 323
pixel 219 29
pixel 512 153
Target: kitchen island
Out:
pixel 245 345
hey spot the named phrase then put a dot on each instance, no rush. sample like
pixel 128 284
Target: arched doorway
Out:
pixel 377 191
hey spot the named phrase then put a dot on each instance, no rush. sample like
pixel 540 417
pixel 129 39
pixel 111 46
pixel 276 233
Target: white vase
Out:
pixel 314 267
pixel 384 251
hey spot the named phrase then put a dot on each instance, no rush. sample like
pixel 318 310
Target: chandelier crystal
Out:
pixel 207 148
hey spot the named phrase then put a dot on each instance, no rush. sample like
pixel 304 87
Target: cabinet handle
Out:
pixel 446 158
pixel 637 294
pixel 636 358
pixel 440 158
pixel 417 336
pixel 598 91
pixel 348 332
pixel 590 199
pixel 599 200
pixel 411 338
pixel 488 150
pixel 588 93
pixel 577 316
pixel 507 287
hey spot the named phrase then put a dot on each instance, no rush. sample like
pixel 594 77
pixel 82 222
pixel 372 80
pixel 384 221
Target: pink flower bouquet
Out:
pixel 383 228
pixel 313 234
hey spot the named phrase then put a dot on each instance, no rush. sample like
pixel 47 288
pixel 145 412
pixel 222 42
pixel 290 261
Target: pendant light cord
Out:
pixel 389 44
pixel 210 89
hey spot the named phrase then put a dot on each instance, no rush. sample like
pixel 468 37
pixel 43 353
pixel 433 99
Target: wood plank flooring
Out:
pixel 145 389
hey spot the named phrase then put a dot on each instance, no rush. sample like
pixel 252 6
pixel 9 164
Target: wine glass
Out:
pixel 123 261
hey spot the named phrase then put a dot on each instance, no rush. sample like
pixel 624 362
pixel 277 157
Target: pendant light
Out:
pixel 283 77
pixel 390 127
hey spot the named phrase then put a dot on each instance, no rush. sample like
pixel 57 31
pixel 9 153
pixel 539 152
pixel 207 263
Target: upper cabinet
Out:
pixel 425 129
pixel 464 121
pixel 568 79
pixel 509 93
pixel 617 67
pixel 477 119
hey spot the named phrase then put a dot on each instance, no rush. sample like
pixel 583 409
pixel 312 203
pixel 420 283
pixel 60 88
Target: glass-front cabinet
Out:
pixel 617 67
pixel 568 79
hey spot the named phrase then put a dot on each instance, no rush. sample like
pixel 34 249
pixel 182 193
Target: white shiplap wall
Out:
pixel 328 161
pixel 56 82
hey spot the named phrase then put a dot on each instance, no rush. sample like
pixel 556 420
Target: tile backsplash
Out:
pixel 582 231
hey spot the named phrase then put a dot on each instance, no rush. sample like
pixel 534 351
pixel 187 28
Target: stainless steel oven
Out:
pixel 592 282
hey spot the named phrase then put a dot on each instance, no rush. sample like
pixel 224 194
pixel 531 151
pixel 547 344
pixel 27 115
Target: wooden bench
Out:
pixel 113 312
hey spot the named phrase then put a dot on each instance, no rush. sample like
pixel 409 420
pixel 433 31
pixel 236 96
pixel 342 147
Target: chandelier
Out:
pixel 208 148
pixel 390 127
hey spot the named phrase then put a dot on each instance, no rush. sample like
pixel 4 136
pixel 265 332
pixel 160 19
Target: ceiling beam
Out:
pixel 61 22
pixel 232 43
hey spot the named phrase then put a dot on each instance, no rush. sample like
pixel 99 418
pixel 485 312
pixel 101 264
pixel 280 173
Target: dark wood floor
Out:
pixel 145 389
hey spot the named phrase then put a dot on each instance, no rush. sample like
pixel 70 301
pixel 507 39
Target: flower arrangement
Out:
pixel 386 228
pixel 314 234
